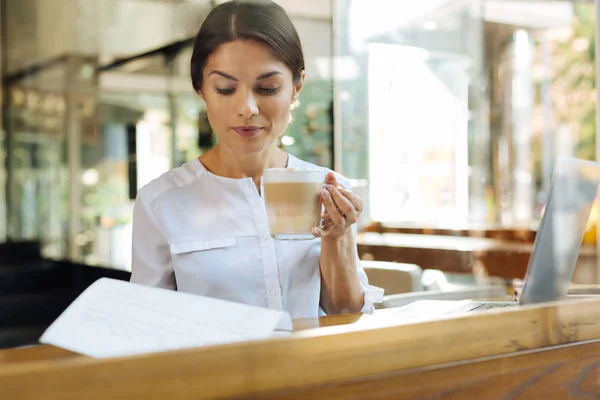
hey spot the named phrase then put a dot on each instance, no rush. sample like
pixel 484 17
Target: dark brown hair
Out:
pixel 261 21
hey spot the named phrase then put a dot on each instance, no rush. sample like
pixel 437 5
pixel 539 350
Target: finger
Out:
pixel 327 224
pixel 330 179
pixel 343 204
pixel 336 217
pixel 324 215
pixel 354 199
pixel 325 221
pixel 322 231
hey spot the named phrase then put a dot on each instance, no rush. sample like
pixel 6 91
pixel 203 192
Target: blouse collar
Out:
pixel 199 169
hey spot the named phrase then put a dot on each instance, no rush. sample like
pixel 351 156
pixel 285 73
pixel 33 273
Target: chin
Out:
pixel 252 145
pixel 251 148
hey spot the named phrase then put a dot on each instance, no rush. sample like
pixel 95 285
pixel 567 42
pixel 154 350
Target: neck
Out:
pixel 222 161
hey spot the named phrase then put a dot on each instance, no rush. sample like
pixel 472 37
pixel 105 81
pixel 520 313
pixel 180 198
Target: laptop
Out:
pixel 573 189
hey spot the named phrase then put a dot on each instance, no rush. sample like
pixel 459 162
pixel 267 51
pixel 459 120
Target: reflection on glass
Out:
pixel 465 112
pixel 409 74
pixel 516 209
pixel 428 155
pixel 309 135
pixel 134 127
pixel 38 186
pixel 543 104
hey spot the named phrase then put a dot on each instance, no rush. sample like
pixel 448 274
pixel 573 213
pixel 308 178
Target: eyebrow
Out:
pixel 268 75
pixel 232 78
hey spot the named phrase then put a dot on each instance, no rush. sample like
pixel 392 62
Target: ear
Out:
pixel 298 87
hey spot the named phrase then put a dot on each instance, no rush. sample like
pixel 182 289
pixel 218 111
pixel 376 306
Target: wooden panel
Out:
pixel 371 345
pixel 558 373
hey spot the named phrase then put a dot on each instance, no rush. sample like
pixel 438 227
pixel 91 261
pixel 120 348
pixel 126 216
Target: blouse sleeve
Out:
pixel 151 258
pixel 372 294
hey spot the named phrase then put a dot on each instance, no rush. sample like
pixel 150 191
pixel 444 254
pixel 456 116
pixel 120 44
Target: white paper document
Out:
pixel 418 311
pixel 113 318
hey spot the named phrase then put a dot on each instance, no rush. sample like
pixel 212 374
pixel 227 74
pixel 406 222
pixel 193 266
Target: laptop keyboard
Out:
pixel 476 306
pixel 488 306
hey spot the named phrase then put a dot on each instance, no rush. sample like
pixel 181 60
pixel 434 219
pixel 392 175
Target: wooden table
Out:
pixel 494 257
pixel 522 235
pixel 521 352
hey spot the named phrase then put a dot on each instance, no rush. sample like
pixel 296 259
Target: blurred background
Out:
pixel 446 114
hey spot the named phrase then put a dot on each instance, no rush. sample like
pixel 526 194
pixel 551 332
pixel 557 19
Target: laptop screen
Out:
pixel 556 248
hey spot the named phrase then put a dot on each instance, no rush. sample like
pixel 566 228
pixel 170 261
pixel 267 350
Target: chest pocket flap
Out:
pixel 201 245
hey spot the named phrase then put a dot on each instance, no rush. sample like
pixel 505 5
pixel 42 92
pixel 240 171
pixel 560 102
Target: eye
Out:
pixel 268 91
pixel 225 92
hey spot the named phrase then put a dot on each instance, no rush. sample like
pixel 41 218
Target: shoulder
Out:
pixel 295 162
pixel 171 180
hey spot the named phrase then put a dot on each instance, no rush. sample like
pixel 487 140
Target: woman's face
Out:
pixel 248 93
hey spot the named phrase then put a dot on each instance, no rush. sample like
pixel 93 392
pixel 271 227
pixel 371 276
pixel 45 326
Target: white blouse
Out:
pixel 200 233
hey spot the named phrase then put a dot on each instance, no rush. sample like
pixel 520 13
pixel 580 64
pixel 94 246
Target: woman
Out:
pixel 201 228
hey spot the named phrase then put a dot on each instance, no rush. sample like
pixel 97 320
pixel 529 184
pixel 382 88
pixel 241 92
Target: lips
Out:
pixel 247 131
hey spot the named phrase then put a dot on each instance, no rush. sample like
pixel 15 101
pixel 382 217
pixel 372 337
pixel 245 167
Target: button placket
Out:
pixel 271 273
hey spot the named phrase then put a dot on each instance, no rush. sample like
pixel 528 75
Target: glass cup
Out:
pixel 293 202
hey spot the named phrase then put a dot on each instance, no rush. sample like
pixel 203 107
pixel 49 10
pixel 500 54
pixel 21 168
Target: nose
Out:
pixel 248 106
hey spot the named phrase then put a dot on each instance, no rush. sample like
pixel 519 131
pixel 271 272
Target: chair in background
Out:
pixel 393 277
pixel 20 252
pixel 34 294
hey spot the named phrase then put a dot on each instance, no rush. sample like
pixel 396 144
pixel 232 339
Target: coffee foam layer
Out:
pixel 288 175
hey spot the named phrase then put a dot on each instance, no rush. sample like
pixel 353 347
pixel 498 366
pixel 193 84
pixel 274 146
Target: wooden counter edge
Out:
pixel 49 353
pixel 564 371
pixel 307 358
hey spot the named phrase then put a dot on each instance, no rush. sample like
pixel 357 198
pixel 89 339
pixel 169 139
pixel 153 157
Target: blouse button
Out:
pixel 266 236
pixel 274 292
